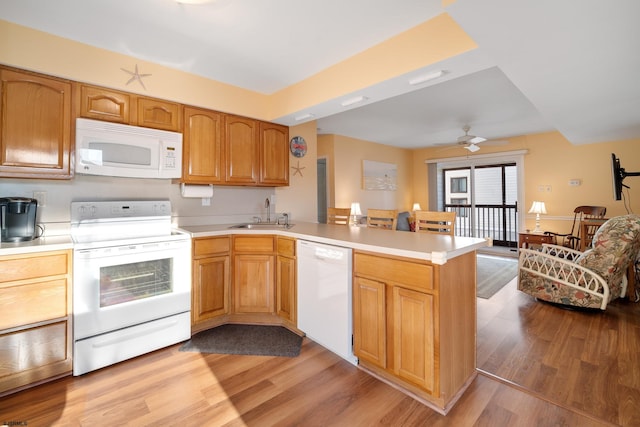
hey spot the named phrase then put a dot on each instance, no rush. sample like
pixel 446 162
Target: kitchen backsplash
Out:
pixel 228 204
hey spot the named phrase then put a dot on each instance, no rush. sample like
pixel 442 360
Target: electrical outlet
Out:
pixel 206 201
pixel 41 197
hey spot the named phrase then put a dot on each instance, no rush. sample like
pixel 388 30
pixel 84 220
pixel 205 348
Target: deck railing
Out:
pixel 499 222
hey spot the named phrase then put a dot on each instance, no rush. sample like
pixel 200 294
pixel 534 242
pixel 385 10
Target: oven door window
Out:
pixel 128 282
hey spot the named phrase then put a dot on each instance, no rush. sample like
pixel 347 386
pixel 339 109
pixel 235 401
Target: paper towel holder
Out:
pixel 196 191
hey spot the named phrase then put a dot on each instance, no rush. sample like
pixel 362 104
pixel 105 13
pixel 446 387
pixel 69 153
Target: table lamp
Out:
pixel 355 212
pixel 538 208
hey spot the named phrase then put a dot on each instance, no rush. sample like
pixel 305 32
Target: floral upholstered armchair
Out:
pixel 589 279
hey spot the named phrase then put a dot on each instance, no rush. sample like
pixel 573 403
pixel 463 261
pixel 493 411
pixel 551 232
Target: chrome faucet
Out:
pixel 267 204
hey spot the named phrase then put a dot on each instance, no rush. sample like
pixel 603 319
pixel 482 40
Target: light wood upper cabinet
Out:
pixel 159 114
pixel 35 126
pixel 104 104
pixel 241 150
pixel 94 102
pixel 274 154
pixel 203 155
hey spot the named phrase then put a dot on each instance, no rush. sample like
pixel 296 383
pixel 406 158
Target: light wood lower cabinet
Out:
pixel 415 324
pixel 254 274
pixel 35 326
pixel 243 279
pixel 211 281
pixel 286 280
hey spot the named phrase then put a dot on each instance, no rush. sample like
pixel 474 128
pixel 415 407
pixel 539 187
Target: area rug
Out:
pixel 493 273
pixel 255 340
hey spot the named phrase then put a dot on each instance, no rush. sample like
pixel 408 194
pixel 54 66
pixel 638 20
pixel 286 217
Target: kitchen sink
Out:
pixel 262 226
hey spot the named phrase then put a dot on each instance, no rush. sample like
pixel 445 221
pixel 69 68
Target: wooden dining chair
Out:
pixel 435 222
pixel 338 216
pixel 382 218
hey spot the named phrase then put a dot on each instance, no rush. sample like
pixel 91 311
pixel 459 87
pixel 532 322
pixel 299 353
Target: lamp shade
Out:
pixel 416 207
pixel 355 209
pixel 538 208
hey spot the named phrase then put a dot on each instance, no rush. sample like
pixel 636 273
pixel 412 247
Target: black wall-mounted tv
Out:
pixel 619 174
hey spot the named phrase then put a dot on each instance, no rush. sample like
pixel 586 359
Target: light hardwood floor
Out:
pixel 556 367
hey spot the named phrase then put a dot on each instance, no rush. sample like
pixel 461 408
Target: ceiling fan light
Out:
pixel 472 147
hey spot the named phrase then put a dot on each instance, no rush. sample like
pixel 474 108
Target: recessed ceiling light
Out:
pixel 304 117
pixel 426 77
pixel 352 101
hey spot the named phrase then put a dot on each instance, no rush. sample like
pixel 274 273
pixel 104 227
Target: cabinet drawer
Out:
pixel 34 302
pixel 286 247
pixel 253 244
pixel 396 271
pixel 25 267
pixel 210 245
pixel 32 348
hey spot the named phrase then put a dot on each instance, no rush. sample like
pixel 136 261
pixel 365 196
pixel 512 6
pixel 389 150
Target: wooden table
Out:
pixel 527 238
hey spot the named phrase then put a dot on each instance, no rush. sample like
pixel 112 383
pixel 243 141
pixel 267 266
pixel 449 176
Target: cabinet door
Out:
pixel 286 288
pixel 159 114
pixel 241 150
pixel 103 104
pixel 413 337
pixel 35 126
pixel 369 324
pixel 253 283
pixel 210 288
pixel 274 154
pixel 202 147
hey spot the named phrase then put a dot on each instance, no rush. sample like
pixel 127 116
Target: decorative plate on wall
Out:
pixel 298 146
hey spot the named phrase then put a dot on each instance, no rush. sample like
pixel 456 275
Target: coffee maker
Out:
pixel 17 219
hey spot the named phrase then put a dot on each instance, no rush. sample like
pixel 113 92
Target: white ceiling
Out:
pixel 569 65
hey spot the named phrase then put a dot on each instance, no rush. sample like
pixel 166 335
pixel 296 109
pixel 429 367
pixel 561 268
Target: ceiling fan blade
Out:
pixel 472 148
pixel 476 139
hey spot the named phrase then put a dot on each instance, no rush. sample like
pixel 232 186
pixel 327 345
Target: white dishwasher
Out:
pixel 324 296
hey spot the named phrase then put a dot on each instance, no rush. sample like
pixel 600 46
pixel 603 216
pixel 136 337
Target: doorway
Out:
pixel 322 191
pixel 485 199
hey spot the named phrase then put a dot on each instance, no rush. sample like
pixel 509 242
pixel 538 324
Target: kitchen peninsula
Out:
pixel 414 297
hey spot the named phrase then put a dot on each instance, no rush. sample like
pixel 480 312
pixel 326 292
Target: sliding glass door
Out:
pixel 485 199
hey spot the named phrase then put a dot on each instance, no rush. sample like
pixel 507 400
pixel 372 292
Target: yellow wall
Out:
pixel 299 198
pixel 346 156
pixel 428 43
pixel 553 161
pixel 432 41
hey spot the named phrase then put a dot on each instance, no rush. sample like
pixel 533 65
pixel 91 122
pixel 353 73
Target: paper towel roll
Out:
pixel 197 191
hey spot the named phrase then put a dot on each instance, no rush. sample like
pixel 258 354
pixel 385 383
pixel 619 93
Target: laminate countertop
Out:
pixel 41 244
pixel 430 247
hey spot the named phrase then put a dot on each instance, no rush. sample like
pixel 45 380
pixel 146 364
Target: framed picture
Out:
pixel 379 175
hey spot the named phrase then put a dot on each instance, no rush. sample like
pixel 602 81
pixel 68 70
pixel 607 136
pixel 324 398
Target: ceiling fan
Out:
pixel 470 141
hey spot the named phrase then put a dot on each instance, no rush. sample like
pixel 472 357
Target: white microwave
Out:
pixel 112 149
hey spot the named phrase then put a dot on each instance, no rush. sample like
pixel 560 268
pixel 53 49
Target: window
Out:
pixel 459 184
